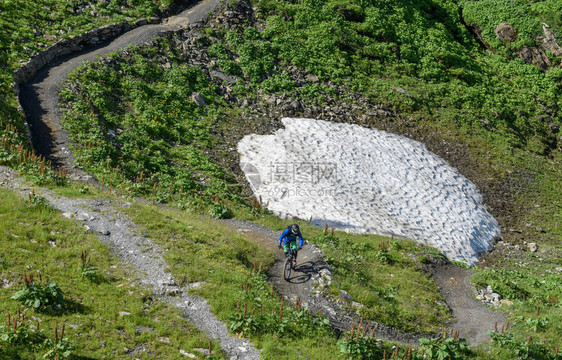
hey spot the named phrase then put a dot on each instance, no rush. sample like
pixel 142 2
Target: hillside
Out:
pixel 478 82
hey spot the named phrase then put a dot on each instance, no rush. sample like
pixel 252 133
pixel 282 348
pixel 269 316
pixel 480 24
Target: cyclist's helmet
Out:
pixel 294 229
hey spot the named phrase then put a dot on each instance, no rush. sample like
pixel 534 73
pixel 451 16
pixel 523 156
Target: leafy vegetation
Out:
pixel 40 296
pixel 138 124
pixel 526 17
pixel 376 47
pixel 139 129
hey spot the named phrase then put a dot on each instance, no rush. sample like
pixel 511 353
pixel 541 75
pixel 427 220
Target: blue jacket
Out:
pixel 287 237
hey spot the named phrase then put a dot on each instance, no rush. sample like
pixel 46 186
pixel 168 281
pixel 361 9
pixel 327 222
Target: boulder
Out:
pixel 506 32
pixel 198 99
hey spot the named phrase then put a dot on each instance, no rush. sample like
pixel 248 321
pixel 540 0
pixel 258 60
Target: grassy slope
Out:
pixel 35 240
pixel 202 250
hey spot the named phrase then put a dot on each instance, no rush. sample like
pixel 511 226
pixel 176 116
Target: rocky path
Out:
pixel 139 252
pixel 40 96
pixel 471 317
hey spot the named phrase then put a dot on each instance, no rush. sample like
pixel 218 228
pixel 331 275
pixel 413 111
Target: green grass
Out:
pixel 36 240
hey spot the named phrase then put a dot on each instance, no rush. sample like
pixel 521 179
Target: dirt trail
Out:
pixel 311 272
pixel 40 96
pixel 473 319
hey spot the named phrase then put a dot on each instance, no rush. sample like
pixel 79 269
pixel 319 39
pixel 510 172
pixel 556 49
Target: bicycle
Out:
pixel 291 256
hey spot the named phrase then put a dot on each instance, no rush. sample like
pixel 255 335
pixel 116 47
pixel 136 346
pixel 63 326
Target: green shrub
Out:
pixel 47 296
pixel 220 211
pixel 524 349
pixel 453 348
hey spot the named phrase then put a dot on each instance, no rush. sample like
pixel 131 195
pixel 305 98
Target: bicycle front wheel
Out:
pixel 287 268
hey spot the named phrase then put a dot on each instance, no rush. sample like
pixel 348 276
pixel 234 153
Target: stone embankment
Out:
pixel 64 47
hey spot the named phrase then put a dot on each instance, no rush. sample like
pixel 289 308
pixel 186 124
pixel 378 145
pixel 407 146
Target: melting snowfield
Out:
pixel 367 181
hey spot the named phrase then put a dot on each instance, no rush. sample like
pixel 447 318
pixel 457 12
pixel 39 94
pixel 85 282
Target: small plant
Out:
pixel 58 348
pixel 84 189
pixel 525 349
pixel 35 200
pixel 360 343
pixel 40 296
pixel 85 269
pixel 2 263
pixel 19 333
pixel 453 348
pixel 220 211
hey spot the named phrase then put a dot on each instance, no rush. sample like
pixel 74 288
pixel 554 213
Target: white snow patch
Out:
pixel 367 181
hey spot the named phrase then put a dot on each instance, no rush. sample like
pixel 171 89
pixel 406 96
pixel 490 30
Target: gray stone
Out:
pixel 198 99
pixel 189 355
pixel 140 22
pixel 505 32
pixel 143 329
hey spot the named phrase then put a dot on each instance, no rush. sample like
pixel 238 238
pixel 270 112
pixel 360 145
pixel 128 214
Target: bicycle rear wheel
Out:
pixel 287 268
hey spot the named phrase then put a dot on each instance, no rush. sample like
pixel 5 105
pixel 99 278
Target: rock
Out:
pixel 124 313
pixel 505 32
pixel 173 292
pixel 402 91
pixel 549 41
pixel 67 215
pixel 534 56
pixel 488 295
pixel 326 275
pixel 143 329
pixel 506 302
pixel 312 78
pixel 231 80
pixel 357 305
pixel 198 99
pixel 165 340
pixel 532 247
pixel 345 296
pixel 189 355
pixel 104 232
pixel 82 216
pixel 140 22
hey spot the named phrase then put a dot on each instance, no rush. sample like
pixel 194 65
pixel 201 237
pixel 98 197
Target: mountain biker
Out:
pixel 289 240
